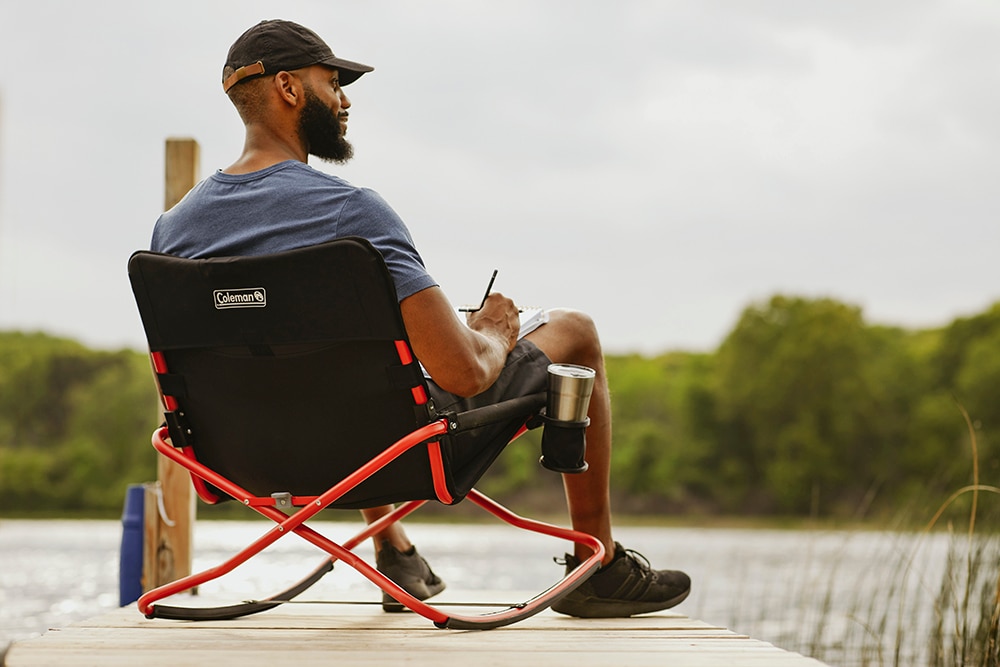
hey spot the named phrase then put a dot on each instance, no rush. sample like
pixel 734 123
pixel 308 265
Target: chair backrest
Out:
pixel 291 370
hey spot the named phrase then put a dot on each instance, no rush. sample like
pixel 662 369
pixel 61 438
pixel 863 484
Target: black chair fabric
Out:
pixel 287 371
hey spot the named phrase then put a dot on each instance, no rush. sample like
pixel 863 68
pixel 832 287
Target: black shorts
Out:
pixel 524 373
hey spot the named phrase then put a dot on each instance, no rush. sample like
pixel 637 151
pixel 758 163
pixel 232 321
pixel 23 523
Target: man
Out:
pixel 286 85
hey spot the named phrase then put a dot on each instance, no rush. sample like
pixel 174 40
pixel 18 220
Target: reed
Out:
pixel 938 606
pixel 968 602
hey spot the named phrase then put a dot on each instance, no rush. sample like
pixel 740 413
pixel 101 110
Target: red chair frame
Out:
pixel 294 523
pixel 290 513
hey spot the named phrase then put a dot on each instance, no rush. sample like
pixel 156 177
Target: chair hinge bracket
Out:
pixel 181 434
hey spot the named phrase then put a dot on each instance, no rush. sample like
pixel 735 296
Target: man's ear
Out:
pixel 289 88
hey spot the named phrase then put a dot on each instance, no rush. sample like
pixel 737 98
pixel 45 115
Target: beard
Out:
pixel 320 129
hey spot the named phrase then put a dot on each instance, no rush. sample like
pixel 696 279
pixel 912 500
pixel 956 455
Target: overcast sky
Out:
pixel 658 164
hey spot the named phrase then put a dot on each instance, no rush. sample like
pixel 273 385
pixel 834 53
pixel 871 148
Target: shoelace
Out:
pixel 640 561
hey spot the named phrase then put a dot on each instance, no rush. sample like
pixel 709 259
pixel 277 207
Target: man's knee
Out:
pixel 573 338
pixel 583 327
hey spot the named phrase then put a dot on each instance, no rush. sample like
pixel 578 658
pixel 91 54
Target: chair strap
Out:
pixel 172 384
pixel 403 376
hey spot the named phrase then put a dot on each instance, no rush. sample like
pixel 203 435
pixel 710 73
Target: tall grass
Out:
pixel 968 601
pixel 965 605
pixel 930 598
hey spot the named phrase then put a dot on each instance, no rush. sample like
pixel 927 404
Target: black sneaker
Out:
pixel 624 587
pixel 410 571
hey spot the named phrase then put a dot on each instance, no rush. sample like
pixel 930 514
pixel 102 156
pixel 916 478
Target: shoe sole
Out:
pixel 418 589
pixel 591 607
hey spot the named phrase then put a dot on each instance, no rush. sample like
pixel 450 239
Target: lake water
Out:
pixel 847 598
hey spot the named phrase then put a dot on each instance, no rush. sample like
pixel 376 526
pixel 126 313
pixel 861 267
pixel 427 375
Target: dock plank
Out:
pixel 365 636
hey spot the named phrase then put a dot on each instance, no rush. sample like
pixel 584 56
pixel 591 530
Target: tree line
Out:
pixel 804 409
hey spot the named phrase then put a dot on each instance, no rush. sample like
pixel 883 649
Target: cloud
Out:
pixel 657 164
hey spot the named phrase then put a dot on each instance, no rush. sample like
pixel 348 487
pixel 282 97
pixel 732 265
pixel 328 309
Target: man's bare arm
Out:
pixel 463 359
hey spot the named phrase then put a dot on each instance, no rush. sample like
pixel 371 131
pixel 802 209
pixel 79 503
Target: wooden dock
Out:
pixel 363 635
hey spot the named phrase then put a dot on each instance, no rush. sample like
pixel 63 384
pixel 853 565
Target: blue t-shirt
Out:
pixel 285 206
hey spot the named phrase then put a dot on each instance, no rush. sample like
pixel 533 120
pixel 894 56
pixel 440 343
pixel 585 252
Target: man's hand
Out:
pixel 498 318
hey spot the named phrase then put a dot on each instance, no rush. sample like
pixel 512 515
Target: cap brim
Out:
pixel 349 71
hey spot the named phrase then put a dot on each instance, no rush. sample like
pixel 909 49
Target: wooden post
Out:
pixel 181 170
pixel 170 523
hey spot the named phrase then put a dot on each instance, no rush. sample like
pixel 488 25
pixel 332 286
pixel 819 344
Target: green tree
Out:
pixel 804 394
pixel 803 408
pixel 74 424
pixel 662 417
pixel 965 371
pixel 37 372
pixel 977 385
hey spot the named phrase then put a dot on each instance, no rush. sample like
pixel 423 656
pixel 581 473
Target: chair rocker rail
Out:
pixel 513 613
pixel 228 612
pixel 546 598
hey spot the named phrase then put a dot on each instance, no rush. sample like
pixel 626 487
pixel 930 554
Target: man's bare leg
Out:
pixel 571 337
pixel 394 533
pixel 401 562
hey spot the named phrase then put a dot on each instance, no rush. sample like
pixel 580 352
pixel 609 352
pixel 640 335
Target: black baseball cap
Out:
pixel 275 45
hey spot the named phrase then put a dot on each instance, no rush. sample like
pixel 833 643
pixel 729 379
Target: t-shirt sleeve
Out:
pixel 367 215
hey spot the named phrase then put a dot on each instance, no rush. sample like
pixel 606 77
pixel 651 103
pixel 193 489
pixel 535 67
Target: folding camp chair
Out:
pixel 289 385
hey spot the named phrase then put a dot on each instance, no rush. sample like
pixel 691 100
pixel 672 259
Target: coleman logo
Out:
pixel 247 297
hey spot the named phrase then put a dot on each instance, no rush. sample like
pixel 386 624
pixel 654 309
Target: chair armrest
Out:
pixel 526 406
